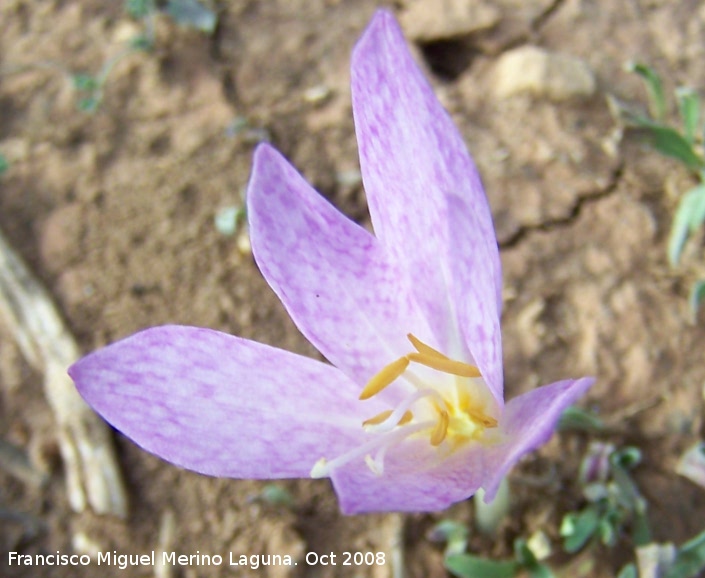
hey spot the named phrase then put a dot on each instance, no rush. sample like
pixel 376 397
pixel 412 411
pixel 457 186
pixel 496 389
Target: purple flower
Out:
pixel 410 416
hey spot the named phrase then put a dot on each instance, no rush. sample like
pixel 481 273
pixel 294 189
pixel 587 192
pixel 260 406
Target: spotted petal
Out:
pixel 414 480
pixel 425 197
pixel 221 405
pixel 338 284
pixel 529 421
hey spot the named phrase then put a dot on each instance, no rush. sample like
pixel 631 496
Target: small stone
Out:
pixel 126 31
pixel 84 544
pixel 242 242
pixel 531 329
pixel 226 220
pixel 432 20
pixel 536 71
pixel 60 236
pixel 72 286
pixel 15 150
pixel 317 94
pixel 655 560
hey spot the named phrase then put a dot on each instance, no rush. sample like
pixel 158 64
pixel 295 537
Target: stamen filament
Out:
pixel 403 408
pixel 381 417
pixel 453 416
pixel 323 467
pixel 384 377
pixel 377 464
pixel 446 365
pixel 439 434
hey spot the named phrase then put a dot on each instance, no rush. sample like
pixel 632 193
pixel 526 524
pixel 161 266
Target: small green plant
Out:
pixel 690 559
pixel 464 565
pixel 615 504
pixel 228 220
pixel 667 561
pixel 469 566
pixel 276 495
pixel 615 509
pixel 684 144
pixel 187 13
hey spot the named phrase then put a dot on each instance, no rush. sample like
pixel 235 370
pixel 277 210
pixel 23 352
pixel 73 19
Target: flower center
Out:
pixel 455 409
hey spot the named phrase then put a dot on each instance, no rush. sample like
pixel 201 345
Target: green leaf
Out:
pixel 641 532
pixel 139 9
pixel 4 165
pixel 690 559
pixel 576 419
pixel 85 82
pixel 690 214
pixel 629 571
pixel 528 561
pixel 468 566
pixel 689 106
pixel 671 143
pixel 697 294
pixel 276 495
pixel 608 529
pixel 578 528
pixel 697 215
pixel 142 42
pixel 654 88
pixel 627 457
pixel 453 533
pixel 193 14
pixel 626 491
pixel 540 571
pixel 90 104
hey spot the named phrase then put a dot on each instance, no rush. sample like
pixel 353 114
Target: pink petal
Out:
pixel 528 422
pixel 333 276
pixel 414 480
pixel 426 200
pixel 221 405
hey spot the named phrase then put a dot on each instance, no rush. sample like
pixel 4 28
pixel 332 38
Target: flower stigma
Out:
pixel 454 410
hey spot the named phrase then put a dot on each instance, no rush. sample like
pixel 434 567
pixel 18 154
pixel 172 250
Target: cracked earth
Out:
pixel 114 211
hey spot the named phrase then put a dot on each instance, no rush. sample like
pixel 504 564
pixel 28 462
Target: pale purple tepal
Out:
pixel 410 416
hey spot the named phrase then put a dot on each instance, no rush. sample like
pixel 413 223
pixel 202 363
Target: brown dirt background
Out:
pixel 114 211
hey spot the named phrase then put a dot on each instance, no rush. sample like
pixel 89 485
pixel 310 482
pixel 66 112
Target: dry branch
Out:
pixel 93 477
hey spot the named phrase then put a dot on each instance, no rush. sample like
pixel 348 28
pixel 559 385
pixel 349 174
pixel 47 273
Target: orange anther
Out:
pixel 380 417
pixel 481 418
pixel 422 347
pixel 445 365
pixel 384 377
pixel 439 434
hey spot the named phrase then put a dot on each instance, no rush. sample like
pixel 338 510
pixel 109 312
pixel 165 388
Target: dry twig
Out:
pixel 92 475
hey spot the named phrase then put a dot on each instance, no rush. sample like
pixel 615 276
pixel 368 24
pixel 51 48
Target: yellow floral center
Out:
pixel 456 409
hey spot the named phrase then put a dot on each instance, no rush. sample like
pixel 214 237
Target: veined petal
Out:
pixel 478 313
pixel 425 196
pixel 528 422
pixel 415 479
pixel 221 405
pixel 334 278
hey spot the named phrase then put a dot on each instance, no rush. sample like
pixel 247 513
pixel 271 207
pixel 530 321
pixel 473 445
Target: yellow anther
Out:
pixel 380 417
pixel 439 434
pixel 481 418
pixel 406 418
pixel 384 377
pixel 444 364
pixel 421 347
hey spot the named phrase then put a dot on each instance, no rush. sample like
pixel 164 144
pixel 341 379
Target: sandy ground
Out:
pixel 114 211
